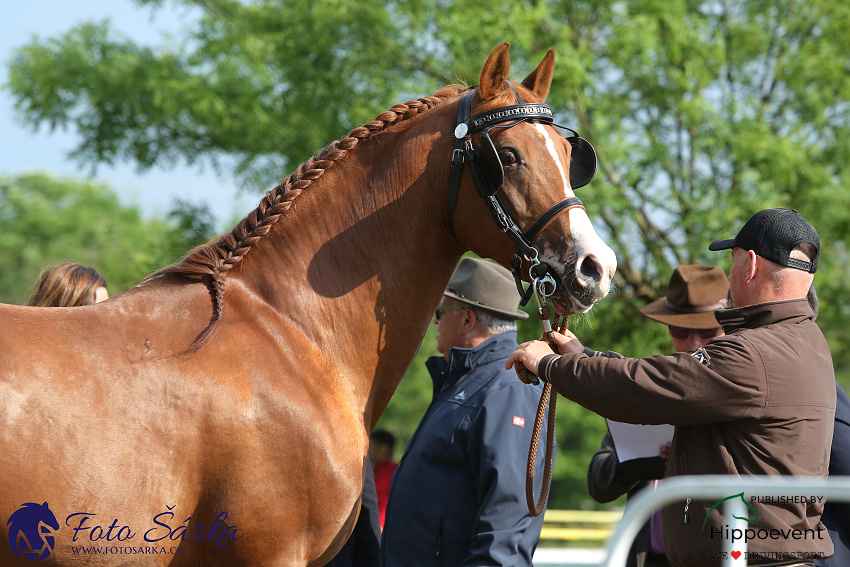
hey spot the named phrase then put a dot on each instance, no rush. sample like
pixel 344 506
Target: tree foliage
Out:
pixel 45 221
pixel 702 112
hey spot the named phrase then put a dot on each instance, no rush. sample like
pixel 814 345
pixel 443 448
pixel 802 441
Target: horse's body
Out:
pixel 266 418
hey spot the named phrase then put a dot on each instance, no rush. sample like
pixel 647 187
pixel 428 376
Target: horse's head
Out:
pixel 524 171
pixel 30 531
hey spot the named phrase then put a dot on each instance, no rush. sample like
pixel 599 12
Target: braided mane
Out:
pixel 211 262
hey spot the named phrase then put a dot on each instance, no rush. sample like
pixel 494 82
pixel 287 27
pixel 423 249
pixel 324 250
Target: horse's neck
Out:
pixel 360 263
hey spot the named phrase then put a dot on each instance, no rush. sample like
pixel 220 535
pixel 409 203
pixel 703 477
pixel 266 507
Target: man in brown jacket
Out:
pixel 759 400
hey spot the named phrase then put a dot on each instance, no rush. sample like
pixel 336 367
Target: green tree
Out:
pixel 702 112
pixel 46 220
pixel 194 225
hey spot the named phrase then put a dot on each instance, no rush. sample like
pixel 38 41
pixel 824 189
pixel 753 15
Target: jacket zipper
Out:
pixel 688 502
pixel 440 541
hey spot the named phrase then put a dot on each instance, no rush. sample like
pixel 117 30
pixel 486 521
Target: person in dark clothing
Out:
pixel 759 400
pixel 361 548
pixel 381 446
pixel 693 294
pixel 458 494
pixel 836 515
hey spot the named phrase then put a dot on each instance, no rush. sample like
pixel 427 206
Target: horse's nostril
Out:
pixel 590 268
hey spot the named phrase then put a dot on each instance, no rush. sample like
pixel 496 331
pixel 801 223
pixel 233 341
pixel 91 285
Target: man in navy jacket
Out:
pixel 836 515
pixel 458 494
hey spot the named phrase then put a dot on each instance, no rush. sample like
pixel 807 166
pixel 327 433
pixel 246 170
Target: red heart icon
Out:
pixel 735 554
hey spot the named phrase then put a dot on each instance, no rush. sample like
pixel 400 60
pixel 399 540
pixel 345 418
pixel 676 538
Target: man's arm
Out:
pixel 723 381
pixel 603 479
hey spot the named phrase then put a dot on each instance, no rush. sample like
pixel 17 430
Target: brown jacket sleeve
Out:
pixel 723 381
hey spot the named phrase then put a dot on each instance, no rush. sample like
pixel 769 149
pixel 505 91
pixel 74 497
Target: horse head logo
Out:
pixel 30 531
pixel 747 504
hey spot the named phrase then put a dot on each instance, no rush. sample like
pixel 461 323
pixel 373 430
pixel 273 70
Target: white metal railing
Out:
pixel 641 506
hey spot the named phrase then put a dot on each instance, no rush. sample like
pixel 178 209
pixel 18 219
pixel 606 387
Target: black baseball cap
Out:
pixel 773 234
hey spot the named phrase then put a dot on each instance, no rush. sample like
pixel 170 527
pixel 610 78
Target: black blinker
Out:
pixel 582 163
pixel 491 165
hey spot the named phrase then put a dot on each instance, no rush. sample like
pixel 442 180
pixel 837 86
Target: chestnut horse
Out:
pixel 219 412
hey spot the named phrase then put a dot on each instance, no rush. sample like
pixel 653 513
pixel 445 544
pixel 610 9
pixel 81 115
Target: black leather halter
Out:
pixel 488 176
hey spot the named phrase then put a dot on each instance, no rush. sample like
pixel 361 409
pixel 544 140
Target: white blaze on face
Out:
pixel 586 242
pixel 550 147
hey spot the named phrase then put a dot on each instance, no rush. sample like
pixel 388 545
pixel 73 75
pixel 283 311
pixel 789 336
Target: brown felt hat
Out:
pixel 487 286
pixel 693 295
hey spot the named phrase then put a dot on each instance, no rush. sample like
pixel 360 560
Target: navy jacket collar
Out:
pixel 464 360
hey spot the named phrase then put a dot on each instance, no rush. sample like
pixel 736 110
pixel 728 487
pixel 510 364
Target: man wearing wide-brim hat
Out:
pixel 759 400
pixel 693 295
pixel 457 496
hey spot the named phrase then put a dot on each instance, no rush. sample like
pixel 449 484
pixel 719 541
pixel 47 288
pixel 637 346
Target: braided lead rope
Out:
pixel 536 509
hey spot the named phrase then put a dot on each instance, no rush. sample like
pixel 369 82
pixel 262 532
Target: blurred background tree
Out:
pixel 45 221
pixel 702 113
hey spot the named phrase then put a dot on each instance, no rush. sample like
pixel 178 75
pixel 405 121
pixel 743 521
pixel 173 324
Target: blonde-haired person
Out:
pixel 69 285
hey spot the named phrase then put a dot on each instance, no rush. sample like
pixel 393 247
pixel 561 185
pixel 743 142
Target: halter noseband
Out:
pixel 488 176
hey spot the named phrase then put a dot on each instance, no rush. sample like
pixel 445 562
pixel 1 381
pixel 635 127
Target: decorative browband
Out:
pixel 514 112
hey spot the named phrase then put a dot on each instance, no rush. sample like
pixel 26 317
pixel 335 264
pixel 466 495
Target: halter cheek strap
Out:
pixel 547 217
pixel 461 130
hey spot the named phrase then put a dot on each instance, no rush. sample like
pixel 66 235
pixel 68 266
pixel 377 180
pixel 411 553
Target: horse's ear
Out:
pixel 540 79
pixel 495 72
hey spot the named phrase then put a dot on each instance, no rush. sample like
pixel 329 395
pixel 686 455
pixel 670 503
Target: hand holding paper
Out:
pixel 638 441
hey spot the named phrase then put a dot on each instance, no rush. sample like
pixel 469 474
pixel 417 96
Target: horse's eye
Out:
pixel 508 157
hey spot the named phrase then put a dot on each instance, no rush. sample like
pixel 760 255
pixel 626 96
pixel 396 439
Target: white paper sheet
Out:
pixel 638 441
